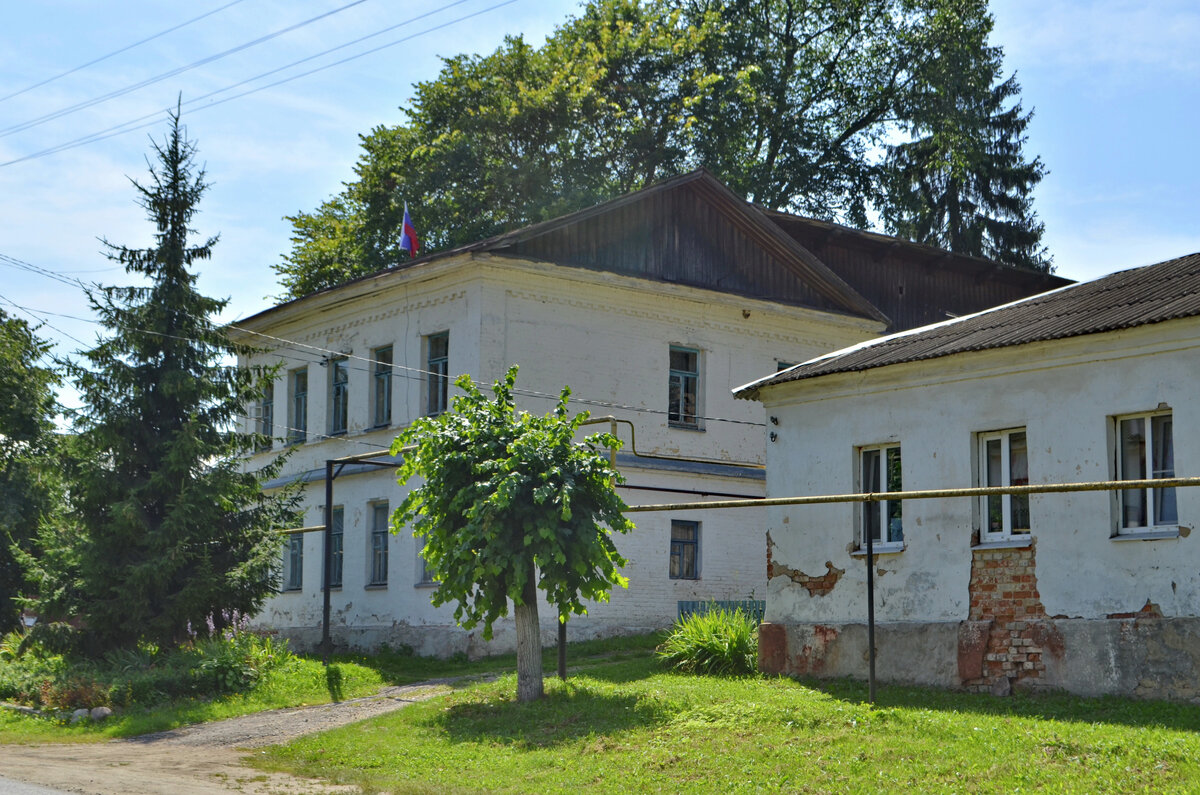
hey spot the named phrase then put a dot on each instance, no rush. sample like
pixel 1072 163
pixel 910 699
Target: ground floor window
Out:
pixel 1004 461
pixel 880 472
pixel 685 550
pixel 293 563
pixel 379 544
pixel 1146 451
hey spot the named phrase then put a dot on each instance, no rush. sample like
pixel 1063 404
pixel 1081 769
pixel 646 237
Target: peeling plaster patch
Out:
pixel 1184 531
pixel 1149 610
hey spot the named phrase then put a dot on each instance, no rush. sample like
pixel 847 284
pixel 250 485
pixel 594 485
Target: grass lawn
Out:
pixel 302 680
pixel 625 725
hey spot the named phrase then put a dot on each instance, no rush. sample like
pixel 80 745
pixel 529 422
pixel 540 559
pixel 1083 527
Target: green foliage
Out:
pixel 962 181
pixel 30 483
pixel 142 676
pixel 171 527
pixel 720 642
pixel 789 102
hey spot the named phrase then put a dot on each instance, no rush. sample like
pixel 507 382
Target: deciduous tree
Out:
pixel 510 504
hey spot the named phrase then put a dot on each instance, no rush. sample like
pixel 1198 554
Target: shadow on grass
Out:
pixel 569 712
pixel 1056 706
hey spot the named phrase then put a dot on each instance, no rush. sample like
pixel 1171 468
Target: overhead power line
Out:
pixel 172 73
pixel 133 125
pixel 126 48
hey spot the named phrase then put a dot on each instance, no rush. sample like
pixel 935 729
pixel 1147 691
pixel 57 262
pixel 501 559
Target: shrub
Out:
pixel 720 642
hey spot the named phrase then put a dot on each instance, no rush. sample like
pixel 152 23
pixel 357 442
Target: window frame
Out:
pixel 377 548
pixel 1008 503
pixel 678 381
pixel 339 396
pixel 293 563
pixel 424 578
pixel 881 510
pixel 437 375
pixel 265 425
pixel 382 381
pixel 297 406
pixel 1150 496
pixel 678 548
pixel 337 556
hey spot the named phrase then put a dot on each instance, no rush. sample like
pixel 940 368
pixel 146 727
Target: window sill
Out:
pixel 681 427
pixel 426 584
pixel 376 586
pixel 1158 533
pixel 878 549
pixel 292 590
pixel 1016 542
pixel 684 579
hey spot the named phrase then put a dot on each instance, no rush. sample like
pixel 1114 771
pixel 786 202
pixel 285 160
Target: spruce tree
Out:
pixel 172 528
pixel 962 182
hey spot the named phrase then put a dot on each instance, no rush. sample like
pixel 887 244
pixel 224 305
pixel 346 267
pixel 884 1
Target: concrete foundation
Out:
pixel 1151 657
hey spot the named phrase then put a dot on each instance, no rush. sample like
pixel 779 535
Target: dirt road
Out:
pixel 201 759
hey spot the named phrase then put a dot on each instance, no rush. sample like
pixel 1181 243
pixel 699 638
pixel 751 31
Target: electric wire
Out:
pixel 329 354
pixel 168 74
pixel 134 124
pixel 126 48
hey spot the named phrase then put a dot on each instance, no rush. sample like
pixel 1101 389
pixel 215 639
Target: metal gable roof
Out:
pixel 1136 297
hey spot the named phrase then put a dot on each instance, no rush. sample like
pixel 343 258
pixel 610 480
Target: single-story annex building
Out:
pixel 1093 592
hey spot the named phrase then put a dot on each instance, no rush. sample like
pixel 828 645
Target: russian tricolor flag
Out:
pixel 408 234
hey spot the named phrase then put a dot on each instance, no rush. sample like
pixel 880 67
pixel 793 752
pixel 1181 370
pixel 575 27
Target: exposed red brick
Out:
pixel 772 649
pixel 1003 590
pixel 1149 610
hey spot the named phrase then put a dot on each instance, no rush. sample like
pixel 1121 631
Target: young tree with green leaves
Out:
pixel 172 528
pixel 30 488
pixel 962 181
pixel 510 504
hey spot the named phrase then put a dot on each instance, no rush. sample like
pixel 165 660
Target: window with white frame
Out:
pixel 337 546
pixel 880 472
pixel 685 550
pixel 339 395
pixel 379 544
pixel 1145 451
pixel 266 416
pixel 293 563
pixel 424 576
pixel 1003 461
pixel 381 395
pixel 437 366
pixel 683 393
pixel 297 405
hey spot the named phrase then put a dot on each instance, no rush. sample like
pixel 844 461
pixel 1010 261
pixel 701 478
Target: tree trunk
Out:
pixel 529 643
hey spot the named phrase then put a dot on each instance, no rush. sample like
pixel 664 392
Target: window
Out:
pixel 266 416
pixel 293 563
pixel 683 403
pixel 379 544
pixel 339 393
pixel 423 575
pixel 880 472
pixel 382 394
pixel 685 550
pixel 336 546
pixel 1004 461
pixel 437 363
pixel 298 408
pixel 1142 509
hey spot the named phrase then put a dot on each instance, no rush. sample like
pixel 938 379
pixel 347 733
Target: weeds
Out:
pixel 722 642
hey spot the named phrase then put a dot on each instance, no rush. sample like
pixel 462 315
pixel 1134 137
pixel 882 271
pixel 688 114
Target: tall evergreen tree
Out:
pixel 29 485
pixel 962 181
pixel 172 528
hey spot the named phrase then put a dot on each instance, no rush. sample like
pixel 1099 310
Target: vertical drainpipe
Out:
pixel 327 555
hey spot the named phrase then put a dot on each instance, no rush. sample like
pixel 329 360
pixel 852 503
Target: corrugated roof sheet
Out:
pixel 1126 299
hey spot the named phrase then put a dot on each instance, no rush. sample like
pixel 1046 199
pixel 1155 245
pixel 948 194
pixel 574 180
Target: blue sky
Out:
pixel 1115 87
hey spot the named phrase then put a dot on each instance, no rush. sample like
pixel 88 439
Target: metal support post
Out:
pixel 327 555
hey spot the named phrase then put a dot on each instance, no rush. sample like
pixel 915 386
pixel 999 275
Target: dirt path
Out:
pixel 201 759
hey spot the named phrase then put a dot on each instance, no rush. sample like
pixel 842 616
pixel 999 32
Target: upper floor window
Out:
pixel 339 395
pixel 266 416
pixel 685 550
pixel 379 544
pixel 683 401
pixel 437 364
pixel 381 395
pixel 1003 461
pixel 1146 451
pixel 298 406
pixel 880 472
